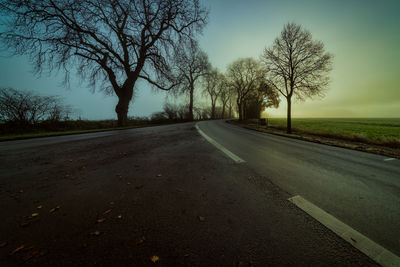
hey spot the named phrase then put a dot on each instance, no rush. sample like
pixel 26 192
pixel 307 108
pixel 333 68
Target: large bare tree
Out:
pixel 111 43
pixel 244 76
pixel 297 65
pixel 191 64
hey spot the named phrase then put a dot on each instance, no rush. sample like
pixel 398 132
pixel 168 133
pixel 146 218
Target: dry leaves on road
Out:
pixel 17 249
pixel 96 233
pixel 24 224
pixel 154 258
pixel 139 240
pixel 159 175
pixel 101 220
pixel 202 219
pixel 54 209
pixel 107 211
pixel 34 215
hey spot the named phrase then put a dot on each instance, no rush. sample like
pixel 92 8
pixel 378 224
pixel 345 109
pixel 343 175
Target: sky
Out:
pixel 362 35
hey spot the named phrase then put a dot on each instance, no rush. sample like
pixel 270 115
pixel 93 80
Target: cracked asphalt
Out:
pixel 121 198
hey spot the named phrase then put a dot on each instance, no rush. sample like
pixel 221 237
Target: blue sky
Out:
pixel 363 36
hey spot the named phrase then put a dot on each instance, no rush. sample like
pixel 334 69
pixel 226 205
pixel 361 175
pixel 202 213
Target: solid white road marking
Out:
pixel 373 250
pixel 389 159
pixel 220 147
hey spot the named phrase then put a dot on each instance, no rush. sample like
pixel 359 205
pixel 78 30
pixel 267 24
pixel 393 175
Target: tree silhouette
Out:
pixel 297 65
pixel 191 64
pixel 111 43
pixel 244 76
pixel 213 85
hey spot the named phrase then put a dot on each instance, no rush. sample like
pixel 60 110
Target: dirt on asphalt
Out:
pixel 158 196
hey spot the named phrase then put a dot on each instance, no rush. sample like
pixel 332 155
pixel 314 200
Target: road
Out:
pixel 121 198
pixel 360 189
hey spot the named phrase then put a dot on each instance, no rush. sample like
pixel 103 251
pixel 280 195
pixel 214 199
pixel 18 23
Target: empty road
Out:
pixel 360 189
pixel 157 196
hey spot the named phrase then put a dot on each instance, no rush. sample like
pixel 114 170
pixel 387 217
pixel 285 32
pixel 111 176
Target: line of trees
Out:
pixel 113 44
pixel 27 108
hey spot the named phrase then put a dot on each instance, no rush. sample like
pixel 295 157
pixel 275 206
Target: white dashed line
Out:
pixel 389 159
pixel 220 147
pixel 373 250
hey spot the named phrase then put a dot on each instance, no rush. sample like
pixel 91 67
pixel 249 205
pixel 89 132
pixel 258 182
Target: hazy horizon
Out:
pixel 362 36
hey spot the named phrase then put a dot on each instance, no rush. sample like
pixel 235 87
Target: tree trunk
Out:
pixel 191 104
pixel 223 111
pixel 244 108
pixel 240 111
pixel 212 110
pixel 289 115
pixel 123 105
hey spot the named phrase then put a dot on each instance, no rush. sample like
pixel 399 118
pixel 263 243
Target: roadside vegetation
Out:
pixel 373 131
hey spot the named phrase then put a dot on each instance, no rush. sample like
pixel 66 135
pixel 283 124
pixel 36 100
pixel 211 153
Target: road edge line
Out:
pixel 220 147
pixel 373 250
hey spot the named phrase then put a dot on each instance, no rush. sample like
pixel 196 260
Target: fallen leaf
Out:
pixel 30 255
pixel 96 233
pixel 54 209
pixel 40 206
pixel 119 216
pixel 106 212
pixel 159 175
pixel 101 220
pixel 139 240
pixel 21 191
pixel 128 183
pixel 24 224
pixel 202 219
pixel 112 203
pixel 3 244
pixel 154 258
pixel 34 214
pixel 18 249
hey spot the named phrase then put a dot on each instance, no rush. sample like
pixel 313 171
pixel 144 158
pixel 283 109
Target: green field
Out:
pixel 378 131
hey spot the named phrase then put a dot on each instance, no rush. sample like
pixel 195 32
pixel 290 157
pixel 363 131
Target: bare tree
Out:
pixel 109 43
pixel 212 87
pixel 244 75
pixel 297 65
pixel 226 92
pixel 25 107
pixel 191 64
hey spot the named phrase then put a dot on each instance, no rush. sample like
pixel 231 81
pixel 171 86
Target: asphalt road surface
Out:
pixel 360 189
pixel 164 196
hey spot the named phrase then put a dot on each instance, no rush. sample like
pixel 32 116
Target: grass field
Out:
pixel 378 131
